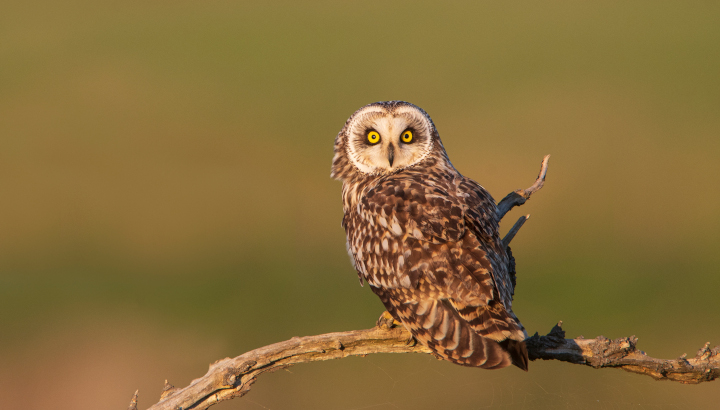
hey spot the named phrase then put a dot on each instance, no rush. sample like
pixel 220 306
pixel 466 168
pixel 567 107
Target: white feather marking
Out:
pixel 455 339
pixel 417 234
pixel 441 331
pixel 385 244
pixel 471 347
pixel 430 319
pixel 382 221
pixel 423 307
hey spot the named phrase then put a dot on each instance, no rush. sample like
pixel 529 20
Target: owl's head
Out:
pixel 382 138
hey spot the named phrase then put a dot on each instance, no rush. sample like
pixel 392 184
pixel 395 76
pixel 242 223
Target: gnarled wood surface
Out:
pixel 230 378
pixel 622 353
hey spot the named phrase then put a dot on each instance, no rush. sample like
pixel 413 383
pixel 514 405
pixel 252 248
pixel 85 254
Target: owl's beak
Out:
pixel 391 154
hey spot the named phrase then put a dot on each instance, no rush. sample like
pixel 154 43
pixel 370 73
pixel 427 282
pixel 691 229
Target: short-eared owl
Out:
pixel 425 238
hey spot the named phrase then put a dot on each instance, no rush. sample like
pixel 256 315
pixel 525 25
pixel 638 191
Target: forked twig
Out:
pixel 520 196
pixel 514 230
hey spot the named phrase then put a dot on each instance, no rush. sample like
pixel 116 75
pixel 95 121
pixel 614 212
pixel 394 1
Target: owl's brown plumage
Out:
pixel 425 238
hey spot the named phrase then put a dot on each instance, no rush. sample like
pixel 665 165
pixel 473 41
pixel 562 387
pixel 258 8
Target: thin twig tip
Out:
pixel 134 401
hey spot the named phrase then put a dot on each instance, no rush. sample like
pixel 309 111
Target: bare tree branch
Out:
pixel 134 401
pixel 230 378
pixel 511 234
pixel 601 352
pixel 520 196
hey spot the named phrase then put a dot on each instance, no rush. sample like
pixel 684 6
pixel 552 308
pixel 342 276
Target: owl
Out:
pixel 425 238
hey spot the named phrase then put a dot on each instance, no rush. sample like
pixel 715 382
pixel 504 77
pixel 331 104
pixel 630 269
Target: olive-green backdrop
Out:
pixel 165 198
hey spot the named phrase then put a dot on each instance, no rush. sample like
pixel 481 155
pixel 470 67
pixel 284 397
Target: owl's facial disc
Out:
pixel 381 142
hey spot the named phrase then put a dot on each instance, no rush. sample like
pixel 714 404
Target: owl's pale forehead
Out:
pixel 395 121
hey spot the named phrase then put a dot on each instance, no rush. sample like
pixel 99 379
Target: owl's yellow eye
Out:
pixel 373 137
pixel 407 137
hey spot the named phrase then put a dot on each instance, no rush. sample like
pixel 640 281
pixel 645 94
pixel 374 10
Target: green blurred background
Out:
pixel 165 198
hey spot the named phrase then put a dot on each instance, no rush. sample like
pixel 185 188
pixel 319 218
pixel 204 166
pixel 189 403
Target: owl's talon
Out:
pixel 386 321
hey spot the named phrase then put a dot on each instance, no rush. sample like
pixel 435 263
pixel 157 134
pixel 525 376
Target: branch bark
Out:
pixel 521 196
pixel 514 230
pixel 229 378
pixel 622 353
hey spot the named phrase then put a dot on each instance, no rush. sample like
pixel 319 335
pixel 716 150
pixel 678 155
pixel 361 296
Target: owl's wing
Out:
pixel 481 219
pixel 445 236
pixel 496 319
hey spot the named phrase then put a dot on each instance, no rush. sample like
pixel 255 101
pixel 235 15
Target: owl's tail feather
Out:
pixel 491 321
pixel 437 325
pixel 518 353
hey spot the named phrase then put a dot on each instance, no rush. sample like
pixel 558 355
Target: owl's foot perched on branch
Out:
pixel 386 321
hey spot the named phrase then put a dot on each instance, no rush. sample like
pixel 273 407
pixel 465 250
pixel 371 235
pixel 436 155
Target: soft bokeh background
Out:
pixel 165 198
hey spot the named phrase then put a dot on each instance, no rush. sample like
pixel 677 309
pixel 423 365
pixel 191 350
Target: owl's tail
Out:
pixel 518 352
pixel 436 324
